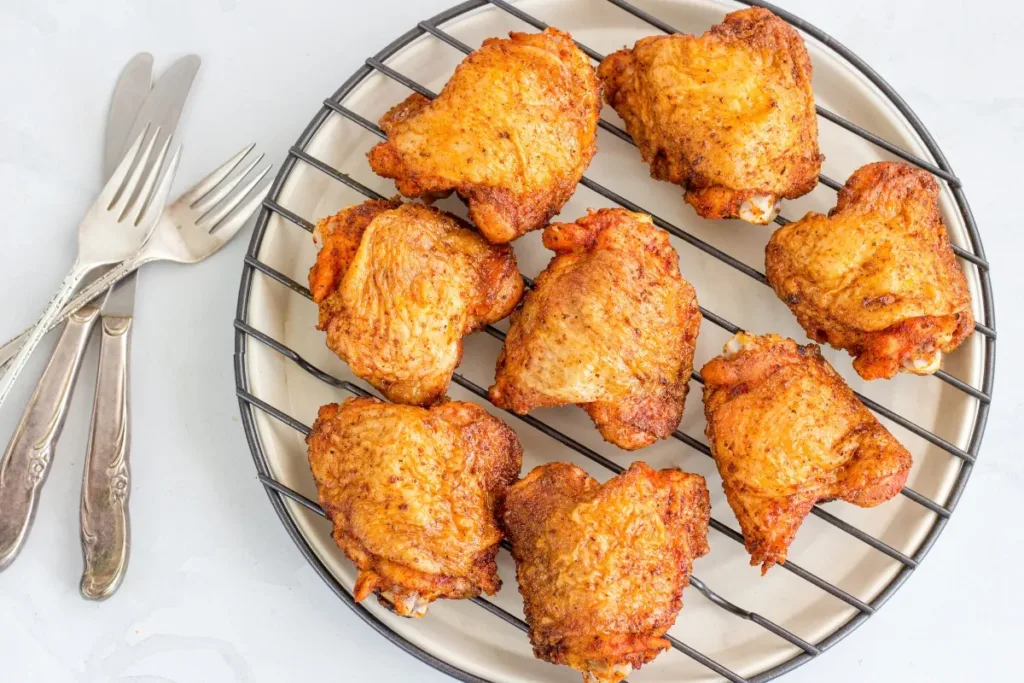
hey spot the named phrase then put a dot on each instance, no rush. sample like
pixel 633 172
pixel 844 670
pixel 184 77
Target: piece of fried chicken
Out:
pixel 611 325
pixel 399 285
pixel 512 133
pixel 602 568
pixel 787 432
pixel 877 276
pixel 728 115
pixel 413 496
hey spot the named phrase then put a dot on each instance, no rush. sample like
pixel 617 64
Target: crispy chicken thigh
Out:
pixel 602 568
pixel 512 133
pixel 399 285
pixel 728 115
pixel 877 276
pixel 413 495
pixel 787 432
pixel 611 325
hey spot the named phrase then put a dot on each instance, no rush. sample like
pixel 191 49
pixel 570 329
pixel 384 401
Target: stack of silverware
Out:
pixel 129 225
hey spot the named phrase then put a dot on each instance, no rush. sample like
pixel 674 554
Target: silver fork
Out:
pixel 116 226
pixel 195 226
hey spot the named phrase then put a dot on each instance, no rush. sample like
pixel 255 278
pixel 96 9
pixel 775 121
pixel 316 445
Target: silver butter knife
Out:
pixel 27 460
pixel 106 483
pixel 106 539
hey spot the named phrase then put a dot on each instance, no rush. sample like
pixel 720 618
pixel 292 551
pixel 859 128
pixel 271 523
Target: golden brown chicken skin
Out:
pixel 787 432
pixel 602 568
pixel 611 326
pixel 512 133
pixel 877 276
pixel 399 285
pixel 728 115
pixel 413 495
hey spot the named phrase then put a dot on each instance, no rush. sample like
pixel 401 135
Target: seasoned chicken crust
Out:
pixel 602 568
pixel 399 285
pixel 512 133
pixel 611 325
pixel 787 432
pixel 877 276
pixel 413 494
pixel 728 115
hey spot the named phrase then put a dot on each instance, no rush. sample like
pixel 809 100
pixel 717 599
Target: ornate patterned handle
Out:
pixel 27 460
pixel 82 297
pixel 42 326
pixel 104 512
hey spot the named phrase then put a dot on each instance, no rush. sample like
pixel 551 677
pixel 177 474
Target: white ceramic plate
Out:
pixel 462 633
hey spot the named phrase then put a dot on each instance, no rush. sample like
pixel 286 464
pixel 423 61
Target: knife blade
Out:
pixel 26 462
pixel 132 89
pixel 106 484
pixel 164 103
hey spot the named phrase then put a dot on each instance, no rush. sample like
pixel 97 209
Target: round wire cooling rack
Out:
pixel 972 256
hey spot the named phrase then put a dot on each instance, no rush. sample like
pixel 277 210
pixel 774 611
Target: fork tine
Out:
pixel 112 188
pixel 204 204
pixel 232 224
pixel 143 197
pixel 159 200
pixel 213 217
pixel 203 187
pixel 120 205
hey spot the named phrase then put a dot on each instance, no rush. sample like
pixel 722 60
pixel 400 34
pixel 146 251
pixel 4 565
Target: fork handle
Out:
pixel 27 460
pixel 42 326
pixel 85 295
pixel 106 483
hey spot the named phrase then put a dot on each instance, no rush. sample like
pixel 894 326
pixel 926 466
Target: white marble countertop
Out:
pixel 216 591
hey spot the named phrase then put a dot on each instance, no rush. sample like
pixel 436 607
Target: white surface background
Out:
pixel 216 591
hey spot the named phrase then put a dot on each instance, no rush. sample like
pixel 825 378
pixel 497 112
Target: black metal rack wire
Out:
pixel 975 256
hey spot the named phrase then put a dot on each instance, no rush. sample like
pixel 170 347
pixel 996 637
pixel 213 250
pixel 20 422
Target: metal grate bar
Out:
pixel 962 385
pixel 985 330
pixel 553 433
pixel 401 78
pixel 751 616
pixel 334 173
pixel 920 431
pixel 829 183
pixel 293 217
pixel 913 495
pixel 278 276
pixel 272 411
pixel 891 148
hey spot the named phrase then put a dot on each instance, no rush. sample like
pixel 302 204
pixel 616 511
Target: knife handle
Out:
pixel 106 538
pixel 27 460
